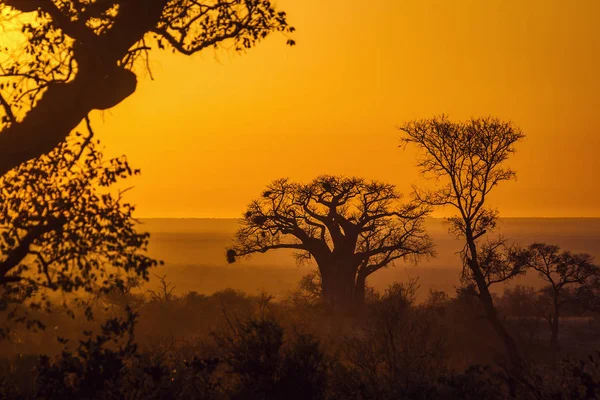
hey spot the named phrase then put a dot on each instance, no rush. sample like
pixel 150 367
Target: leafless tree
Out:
pixel 310 288
pixel 565 272
pixel 467 158
pixel 349 226
pixel 165 292
pixel 74 56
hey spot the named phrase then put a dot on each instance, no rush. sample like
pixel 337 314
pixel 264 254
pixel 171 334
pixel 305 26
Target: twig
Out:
pixel 8 110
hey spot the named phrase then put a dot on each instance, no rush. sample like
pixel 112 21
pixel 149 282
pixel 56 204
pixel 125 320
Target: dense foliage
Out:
pixel 232 346
pixel 63 229
pixel 66 58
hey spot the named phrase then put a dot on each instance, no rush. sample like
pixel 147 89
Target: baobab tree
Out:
pixel 64 230
pixel 75 56
pixel 350 227
pixel 566 274
pixel 467 158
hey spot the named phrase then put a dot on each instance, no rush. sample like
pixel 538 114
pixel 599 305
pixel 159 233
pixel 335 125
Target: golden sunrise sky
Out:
pixel 212 130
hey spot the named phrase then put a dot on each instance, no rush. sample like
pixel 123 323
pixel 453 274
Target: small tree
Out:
pixel 565 272
pixel 349 226
pixel 588 295
pixel 63 230
pixel 165 293
pixel 525 306
pixel 468 158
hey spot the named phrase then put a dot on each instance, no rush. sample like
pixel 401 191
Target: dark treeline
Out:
pixel 231 345
pixel 78 322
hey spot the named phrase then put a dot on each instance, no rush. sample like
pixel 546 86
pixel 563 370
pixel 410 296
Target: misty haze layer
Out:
pixel 194 255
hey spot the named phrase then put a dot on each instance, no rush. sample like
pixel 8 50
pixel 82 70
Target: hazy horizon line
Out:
pixel 237 218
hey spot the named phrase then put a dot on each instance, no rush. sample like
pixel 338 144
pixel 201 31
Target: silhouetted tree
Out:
pixel 253 348
pixel 468 157
pixel 63 230
pixel 498 262
pixel 588 295
pixel 525 306
pixel 75 56
pixel 96 369
pixel 165 292
pixel 310 287
pixel 351 227
pixel 565 272
pixel 310 291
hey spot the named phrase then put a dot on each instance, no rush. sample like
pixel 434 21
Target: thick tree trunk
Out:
pixel 327 289
pixel 99 84
pixel 58 112
pixel 338 285
pixel 359 291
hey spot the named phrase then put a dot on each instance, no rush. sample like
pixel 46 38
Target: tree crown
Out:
pixel 559 268
pixel 334 217
pixel 58 39
pixel 469 157
pixel 63 230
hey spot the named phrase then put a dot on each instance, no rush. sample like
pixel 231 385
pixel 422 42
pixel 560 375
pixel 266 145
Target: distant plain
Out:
pixel 194 254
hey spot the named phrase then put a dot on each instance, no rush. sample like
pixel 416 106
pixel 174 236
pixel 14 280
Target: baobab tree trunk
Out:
pixel 339 289
pixel 327 289
pixel 359 291
pixel 344 293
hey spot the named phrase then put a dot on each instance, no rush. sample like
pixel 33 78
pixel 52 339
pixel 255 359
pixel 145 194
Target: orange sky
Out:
pixel 212 130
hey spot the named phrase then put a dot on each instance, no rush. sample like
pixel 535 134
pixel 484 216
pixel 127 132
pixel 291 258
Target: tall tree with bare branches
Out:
pixel 350 227
pixel 468 158
pixel 74 56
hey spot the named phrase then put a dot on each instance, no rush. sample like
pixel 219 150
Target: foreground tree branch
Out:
pixel 79 56
pixel 63 230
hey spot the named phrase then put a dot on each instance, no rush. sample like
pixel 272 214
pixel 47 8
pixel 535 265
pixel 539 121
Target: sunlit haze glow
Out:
pixel 212 130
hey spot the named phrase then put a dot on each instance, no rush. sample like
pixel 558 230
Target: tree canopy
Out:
pixel 351 227
pixel 560 269
pixel 63 230
pixel 571 278
pixel 468 158
pixel 75 56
